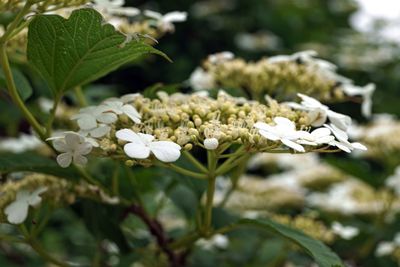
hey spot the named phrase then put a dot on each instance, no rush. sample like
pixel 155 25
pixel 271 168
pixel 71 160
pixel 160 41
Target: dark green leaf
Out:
pixel 322 255
pixel 22 84
pixel 78 50
pixel 33 162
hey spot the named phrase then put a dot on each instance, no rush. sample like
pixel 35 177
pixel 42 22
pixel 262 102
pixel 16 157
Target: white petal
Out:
pixel 284 122
pixel 79 159
pixel 34 198
pixel 72 140
pixel 16 212
pixel 325 139
pixel 146 138
pixel 305 142
pixel 128 135
pixel 359 146
pixel 175 16
pixel 100 131
pixel 263 126
pixel 293 145
pixel 340 120
pixel 320 132
pixel 137 151
pixel 132 113
pixel 152 14
pixel 340 134
pixel 87 121
pixel 342 146
pixel 64 159
pixel 165 151
pixel 84 148
pixel 60 145
pixel 269 135
pixel 107 118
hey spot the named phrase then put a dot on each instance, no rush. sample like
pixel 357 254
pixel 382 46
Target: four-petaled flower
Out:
pixel 342 141
pixel 17 211
pixel 165 22
pixel 284 131
pixel 140 145
pixel 74 148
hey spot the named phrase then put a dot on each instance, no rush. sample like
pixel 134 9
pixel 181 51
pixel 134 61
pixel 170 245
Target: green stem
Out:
pixel 229 161
pixel 185 241
pixel 53 112
pixel 80 96
pixel 15 96
pixel 39 250
pixel 212 163
pixel 195 162
pixel 182 170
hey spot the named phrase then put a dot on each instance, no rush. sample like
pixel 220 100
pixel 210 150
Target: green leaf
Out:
pixel 23 86
pixel 322 255
pixel 33 162
pixel 75 51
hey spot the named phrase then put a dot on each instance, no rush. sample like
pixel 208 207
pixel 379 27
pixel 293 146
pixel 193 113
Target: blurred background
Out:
pixel 362 37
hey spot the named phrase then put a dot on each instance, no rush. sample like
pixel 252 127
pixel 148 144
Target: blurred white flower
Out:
pixel 115 7
pixel 318 112
pixel 345 232
pixel 384 249
pixel 393 181
pixel 17 211
pixel 118 107
pixel 74 148
pixel 211 143
pixel 317 137
pixel 221 57
pixel 165 22
pixel 217 241
pixel 20 144
pixel 343 140
pixel 366 92
pixel 201 80
pixel 140 145
pixel 284 131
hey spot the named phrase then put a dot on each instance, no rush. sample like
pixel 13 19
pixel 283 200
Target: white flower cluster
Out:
pixel 386 248
pixel 333 134
pixel 393 181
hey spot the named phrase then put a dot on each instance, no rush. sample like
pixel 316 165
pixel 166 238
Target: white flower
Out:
pixel 284 131
pixel 93 120
pixel 366 92
pixel 217 241
pixel 74 148
pixel 319 113
pixel 23 143
pixel 17 211
pixel 345 232
pixel 220 57
pixel 317 137
pixel 384 249
pixel 211 143
pixel 343 140
pixel 115 7
pixel 393 181
pixel 140 145
pixel 201 80
pixel 165 22
pixel 118 107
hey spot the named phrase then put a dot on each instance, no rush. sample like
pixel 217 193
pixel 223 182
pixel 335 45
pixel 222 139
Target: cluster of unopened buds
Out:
pixel 136 127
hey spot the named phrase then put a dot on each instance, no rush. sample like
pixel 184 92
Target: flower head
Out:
pixel 17 211
pixel 165 22
pixel 93 120
pixel 140 146
pixel 74 148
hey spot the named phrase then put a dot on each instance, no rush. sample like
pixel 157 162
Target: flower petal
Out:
pixel 269 135
pixel 34 198
pixel 64 159
pixel 60 145
pixel 107 118
pixel 79 159
pixel 100 131
pixel 128 135
pixel 17 212
pixel 87 121
pixel 165 151
pixel 293 145
pixel 84 148
pixel 132 113
pixel 137 151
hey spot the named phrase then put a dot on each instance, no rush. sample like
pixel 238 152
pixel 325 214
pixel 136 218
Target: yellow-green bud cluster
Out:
pixel 281 79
